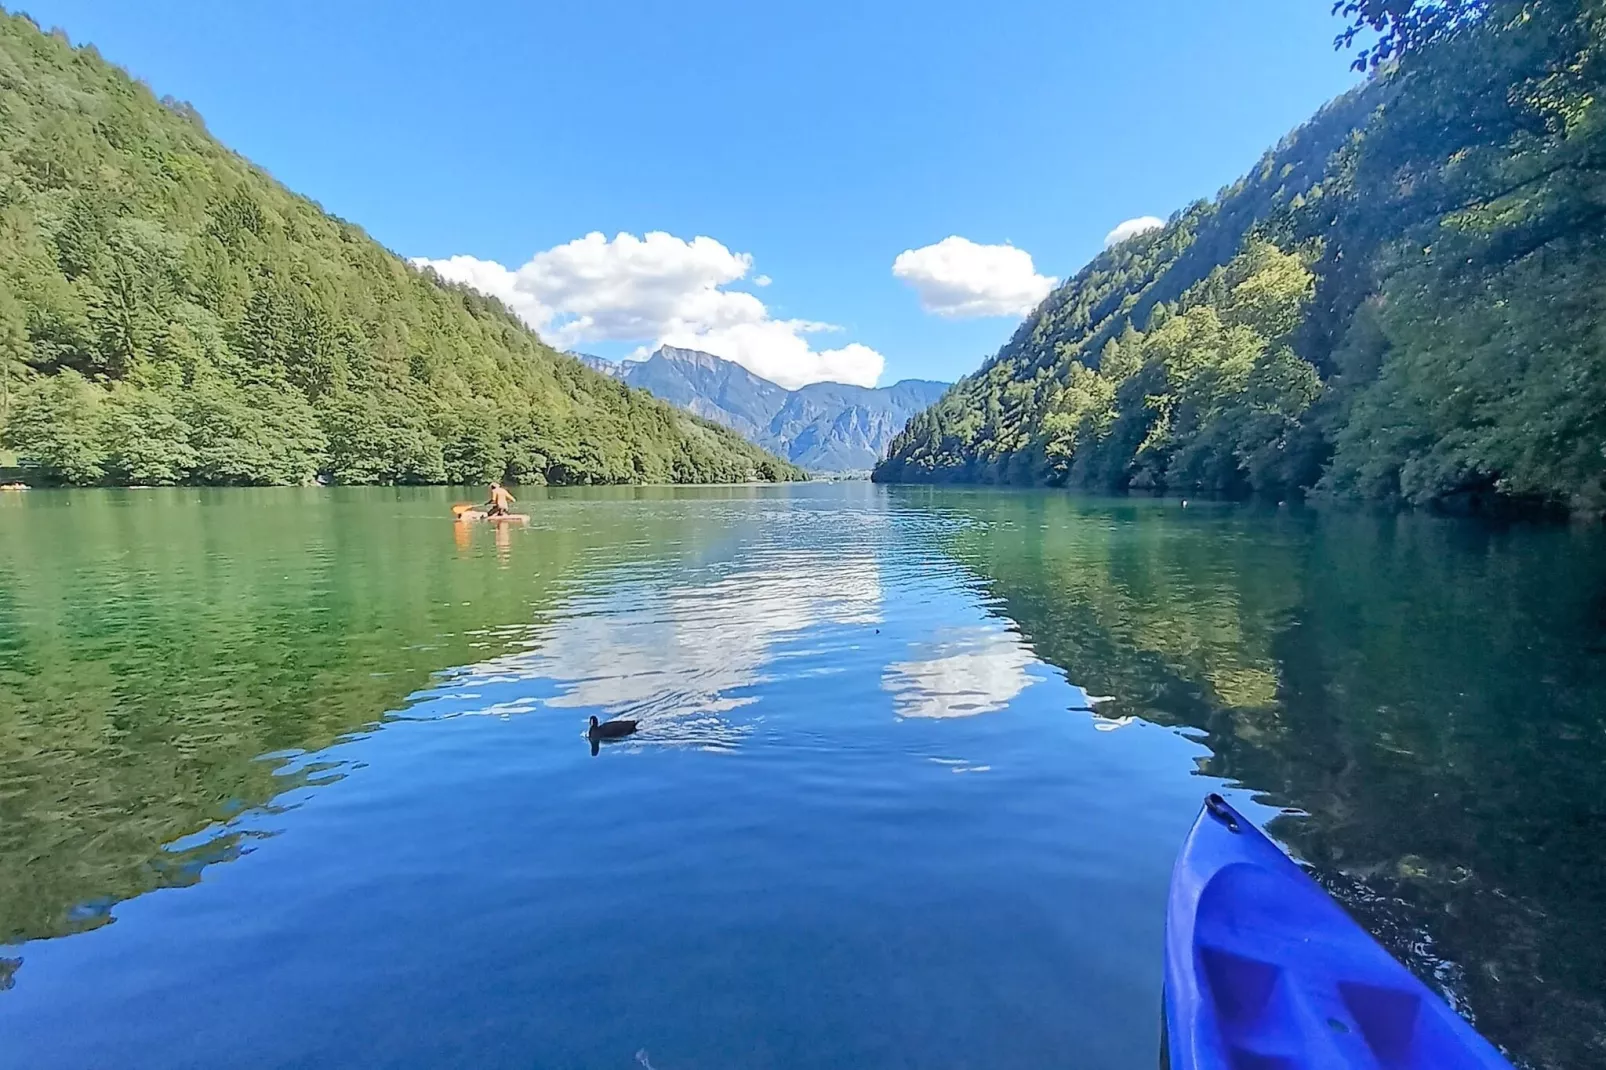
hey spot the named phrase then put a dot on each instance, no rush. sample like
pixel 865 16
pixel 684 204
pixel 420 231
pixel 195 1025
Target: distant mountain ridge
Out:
pixel 825 427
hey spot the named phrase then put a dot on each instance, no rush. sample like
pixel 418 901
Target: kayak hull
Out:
pixel 506 518
pixel 1265 971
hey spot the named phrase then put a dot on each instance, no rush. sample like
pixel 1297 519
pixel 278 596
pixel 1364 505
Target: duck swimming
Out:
pixel 610 729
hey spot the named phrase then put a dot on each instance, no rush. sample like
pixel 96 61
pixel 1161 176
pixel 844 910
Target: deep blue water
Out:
pixel 864 823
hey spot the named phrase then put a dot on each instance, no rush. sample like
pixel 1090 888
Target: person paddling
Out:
pixel 500 500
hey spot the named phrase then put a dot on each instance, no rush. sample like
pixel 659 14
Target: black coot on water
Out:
pixel 610 729
pixel 607 730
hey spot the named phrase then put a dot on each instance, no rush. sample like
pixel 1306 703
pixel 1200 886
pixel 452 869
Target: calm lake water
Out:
pixel 297 778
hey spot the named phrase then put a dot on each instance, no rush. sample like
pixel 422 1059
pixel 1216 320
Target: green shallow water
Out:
pixel 295 777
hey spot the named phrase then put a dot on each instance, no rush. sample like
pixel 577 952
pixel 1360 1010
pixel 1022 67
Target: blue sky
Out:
pixel 812 143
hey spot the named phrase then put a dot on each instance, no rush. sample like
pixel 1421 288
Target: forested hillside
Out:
pixel 169 313
pixel 1401 302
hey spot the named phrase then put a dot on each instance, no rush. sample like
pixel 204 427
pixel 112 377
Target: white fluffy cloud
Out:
pixel 1132 228
pixel 489 277
pixel 960 279
pixel 661 290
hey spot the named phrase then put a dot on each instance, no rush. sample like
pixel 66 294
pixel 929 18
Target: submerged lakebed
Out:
pixel 300 777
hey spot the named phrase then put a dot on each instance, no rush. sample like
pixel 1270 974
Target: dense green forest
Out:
pixel 169 313
pixel 1402 302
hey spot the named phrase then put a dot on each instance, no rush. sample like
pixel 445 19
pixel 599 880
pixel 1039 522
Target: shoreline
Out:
pixel 401 486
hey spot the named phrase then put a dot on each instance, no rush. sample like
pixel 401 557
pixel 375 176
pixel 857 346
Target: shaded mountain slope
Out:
pixel 170 313
pixel 1401 303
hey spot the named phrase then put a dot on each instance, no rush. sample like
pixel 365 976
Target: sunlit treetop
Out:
pixel 1401 26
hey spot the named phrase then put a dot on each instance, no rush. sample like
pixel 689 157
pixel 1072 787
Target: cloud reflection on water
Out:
pixel 964 672
pixel 677 657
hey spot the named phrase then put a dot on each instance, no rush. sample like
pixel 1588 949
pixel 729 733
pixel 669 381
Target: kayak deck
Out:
pixel 1265 971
